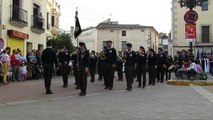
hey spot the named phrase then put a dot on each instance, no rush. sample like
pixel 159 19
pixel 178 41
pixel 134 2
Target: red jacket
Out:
pixel 14 61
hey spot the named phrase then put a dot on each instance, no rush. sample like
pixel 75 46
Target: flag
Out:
pixel 77 26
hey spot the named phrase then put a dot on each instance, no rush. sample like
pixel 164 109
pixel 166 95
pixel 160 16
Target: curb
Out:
pixel 190 83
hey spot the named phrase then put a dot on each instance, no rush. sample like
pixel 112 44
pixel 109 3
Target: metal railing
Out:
pixel 37 22
pixel 18 14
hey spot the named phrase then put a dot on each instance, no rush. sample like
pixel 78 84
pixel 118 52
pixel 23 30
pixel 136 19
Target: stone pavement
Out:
pixel 27 101
pixel 160 102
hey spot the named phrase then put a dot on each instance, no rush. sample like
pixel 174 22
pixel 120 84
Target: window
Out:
pixel 123 33
pixel 205 5
pixel 123 45
pixel 205 34
pixel 53 21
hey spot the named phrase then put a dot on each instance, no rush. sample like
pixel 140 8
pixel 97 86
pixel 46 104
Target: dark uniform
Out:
pixel 161 65
pixel 83 58
pixel 108 63
pixel 48 59
pixel 92 67
pixel 130 57
pixel 169 62
pixel 151 68
pixel 141 68
pixel 75 69
pixel 100 71
pixel 178 62
pixel 119 67
pixel 64 59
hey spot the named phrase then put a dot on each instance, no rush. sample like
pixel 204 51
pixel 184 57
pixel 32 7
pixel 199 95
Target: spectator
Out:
pixel 5 59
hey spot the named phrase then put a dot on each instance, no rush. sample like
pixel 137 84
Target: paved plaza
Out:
pixel 27 101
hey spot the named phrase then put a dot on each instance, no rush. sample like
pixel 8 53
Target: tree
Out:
pixel 63 40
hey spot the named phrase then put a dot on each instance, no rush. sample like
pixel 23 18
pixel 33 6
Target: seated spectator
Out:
pixel 183 69
pixel 192 70
pixel 199 68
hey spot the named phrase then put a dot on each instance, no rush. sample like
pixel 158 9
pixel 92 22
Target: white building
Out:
pixel 24 23
pixel 204 39
pixel 120 34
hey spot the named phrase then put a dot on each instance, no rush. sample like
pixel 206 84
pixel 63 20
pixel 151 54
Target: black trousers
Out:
pixel 129 72
pixel 160 73
pixel 100 72
pixel 141 70
pixel 168 74
pixel 64 73
pixel 108 73
pixel 120 72
pixel 75 72
pixel 152 74
pixel 48 72
pixel 92 73
pixel 82 79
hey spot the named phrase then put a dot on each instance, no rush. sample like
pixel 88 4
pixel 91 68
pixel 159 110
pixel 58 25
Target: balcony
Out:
pixel 37 24
pixel 18 16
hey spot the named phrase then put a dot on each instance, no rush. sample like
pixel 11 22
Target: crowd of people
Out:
pixel 83 63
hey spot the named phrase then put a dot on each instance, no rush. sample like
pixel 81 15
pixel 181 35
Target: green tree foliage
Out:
pixel 63 40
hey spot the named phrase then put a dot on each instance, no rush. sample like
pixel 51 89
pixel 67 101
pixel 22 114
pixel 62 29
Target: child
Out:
pixel 23 71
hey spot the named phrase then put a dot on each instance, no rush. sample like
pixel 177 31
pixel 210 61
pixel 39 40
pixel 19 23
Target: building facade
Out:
pixel 120 34
pixel 53 15
pixel 24 24
pixel 204 40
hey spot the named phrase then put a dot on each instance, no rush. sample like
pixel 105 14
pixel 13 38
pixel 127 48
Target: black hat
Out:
pixel 109 41
pixel 129 45
pixel 49 43
pixel 81 44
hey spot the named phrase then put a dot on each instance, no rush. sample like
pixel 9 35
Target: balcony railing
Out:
pixel 37 24
pixel 18 16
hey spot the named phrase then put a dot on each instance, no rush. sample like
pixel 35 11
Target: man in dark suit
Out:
pixel 130 64
pixel 83 67
pixel 48 59
pixel 92 65
pixel 109 65
pixel 64 59
pixel 161 65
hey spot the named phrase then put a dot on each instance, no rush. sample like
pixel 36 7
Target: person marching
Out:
pixel 152 66
pixel 48 59
pixel 161 65
pixel 109 65
pixel 64 59
pixel 92 66
pixel 83 68
pixel 130 57
pixel 75 68
pixel 169 62
pixel 141 66
pixel 119 66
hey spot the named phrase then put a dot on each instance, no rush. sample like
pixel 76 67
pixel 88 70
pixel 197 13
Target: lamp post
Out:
pixel 191 17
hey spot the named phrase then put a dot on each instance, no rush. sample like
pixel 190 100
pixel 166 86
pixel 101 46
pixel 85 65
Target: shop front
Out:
pixel 16 40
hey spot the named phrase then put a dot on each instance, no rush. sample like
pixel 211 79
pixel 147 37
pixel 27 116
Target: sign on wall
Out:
pixel 190 31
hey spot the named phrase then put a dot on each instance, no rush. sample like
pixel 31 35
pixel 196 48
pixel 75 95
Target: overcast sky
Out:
pixel 156 13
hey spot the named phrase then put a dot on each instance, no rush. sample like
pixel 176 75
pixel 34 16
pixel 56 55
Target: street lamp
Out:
pixel 191 4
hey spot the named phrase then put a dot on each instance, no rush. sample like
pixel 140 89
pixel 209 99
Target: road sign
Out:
pixel 190 31
pixel 191 16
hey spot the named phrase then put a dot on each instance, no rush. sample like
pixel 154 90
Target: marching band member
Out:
pixel 141 66
pixel 130 63
pixel 109 65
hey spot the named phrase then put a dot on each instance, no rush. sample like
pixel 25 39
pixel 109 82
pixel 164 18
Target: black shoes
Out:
pixel 64 86
pixel 110 88
pixel 129 89
pixel 77 88
pixel 48 93
pixel 82 94
pixel 106 87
